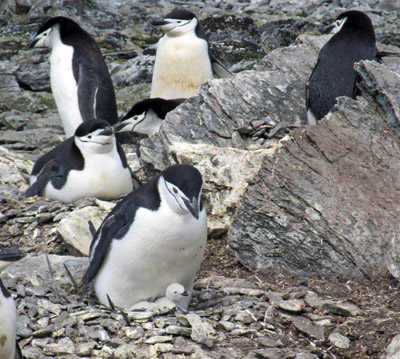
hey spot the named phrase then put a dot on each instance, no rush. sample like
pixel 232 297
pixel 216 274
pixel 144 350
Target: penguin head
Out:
pixel 176 291
pixel 140 117
pixel 96 136
pixel 54 30
pixel 145 114
pixel 178 22
pixel 180 186
pixel 354 20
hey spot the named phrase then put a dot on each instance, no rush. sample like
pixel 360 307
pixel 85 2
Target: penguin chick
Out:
pixel 154 237
pixel 334 73
pixel 80 81
pixel 175 297
pixel 89 164
pixel 9 348
pixel 146 116
pixel 184 59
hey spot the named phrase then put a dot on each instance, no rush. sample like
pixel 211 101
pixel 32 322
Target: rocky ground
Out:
pixel 235 313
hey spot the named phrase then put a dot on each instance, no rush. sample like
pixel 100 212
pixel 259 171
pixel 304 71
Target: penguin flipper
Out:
pixel 96 100
pixel 88 87
pixel 49 171
pixel 112 226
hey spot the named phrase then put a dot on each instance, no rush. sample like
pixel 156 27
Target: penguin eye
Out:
pixel 179 22
pixel 175 190
pixel 89 137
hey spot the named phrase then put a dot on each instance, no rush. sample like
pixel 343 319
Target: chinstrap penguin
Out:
pixel 154 237
pixel 90 164
pixel 9 348
pixel 334 75
pixel 80 81
pixel 146 116
pixel 184 59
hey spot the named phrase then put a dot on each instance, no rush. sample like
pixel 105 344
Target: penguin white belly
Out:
pixel 182 65
pixel 103 177
pixel 161 247
pixel 8 316
pixel 65 87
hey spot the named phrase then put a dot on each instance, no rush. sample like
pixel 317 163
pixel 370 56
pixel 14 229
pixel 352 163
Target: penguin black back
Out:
pixel 334 75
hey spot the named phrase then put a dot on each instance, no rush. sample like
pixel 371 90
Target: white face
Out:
pixel 177 200
pixel 133 123
pixel 175 291
pixel 96 142
pixel 48 37
pixel 176 27
pixel 338 25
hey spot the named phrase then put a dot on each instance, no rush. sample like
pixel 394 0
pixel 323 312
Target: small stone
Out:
pixel 141 316
pixel 292 305
pixel 159 339
pixel 242 331
pixel 393 350
pixel 98 334
pixel 228 326
pixel 163 348
pixel 244 291
pixel 343 309
pixel 134 333
pixel 201 330
pixel 305 326
pixel 245 317
pixel 306 356
pixel 64 346
pixel 339 340
pixel 125 351
pixel 85 349
pixel 269 343
pixel 177 330
pixel 36 291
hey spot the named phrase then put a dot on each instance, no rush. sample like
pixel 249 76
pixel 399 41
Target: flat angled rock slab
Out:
pixel 325 203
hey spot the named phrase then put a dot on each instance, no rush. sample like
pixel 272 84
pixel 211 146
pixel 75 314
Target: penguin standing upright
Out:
pixel 89 164
pixel 80 81
pixel 334 73
pixel 154 237
pixel 183 59
pixel 9 348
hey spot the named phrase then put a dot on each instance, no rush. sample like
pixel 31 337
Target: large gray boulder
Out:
pixel 325 203
pixel 314 202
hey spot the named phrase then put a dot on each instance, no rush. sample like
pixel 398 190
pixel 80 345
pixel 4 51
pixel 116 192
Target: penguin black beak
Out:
pixel 108 131
pixel 328 29
pixel 32 42
pixel 118 126
pixel 159 22
pixel 193 207
pixel 185 294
